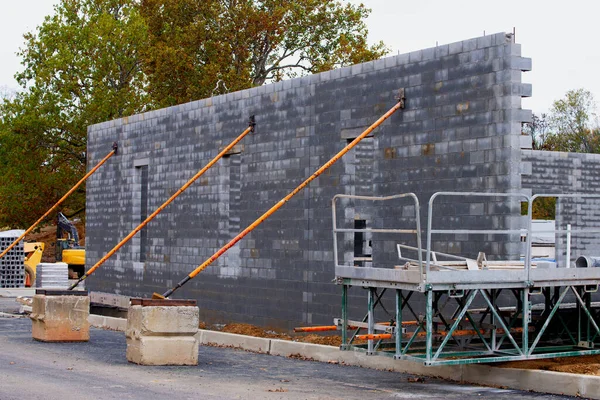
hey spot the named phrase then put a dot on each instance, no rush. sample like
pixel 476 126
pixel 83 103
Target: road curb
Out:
pixel 109 323
pixel 250 343
pixel 16 292
pixel 513 378
pixel 534 380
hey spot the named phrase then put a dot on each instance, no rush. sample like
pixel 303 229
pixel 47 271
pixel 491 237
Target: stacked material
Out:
pixel 52 275
pixel 12 268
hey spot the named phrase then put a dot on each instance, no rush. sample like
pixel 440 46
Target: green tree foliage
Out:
pixel 200 48
pixel 97 60
pixel 542 208
pixel 81 66
pixel 571 125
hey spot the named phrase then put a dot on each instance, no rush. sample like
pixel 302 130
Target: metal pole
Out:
pixel 344 345
pixel 370 319
pixel 278 205
pixel 429 326
pixel 59 202
pixel 398 323
pixel 568 246
pixel 525 312
pixel 250 128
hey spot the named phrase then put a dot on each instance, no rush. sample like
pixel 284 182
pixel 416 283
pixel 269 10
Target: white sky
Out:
pixel 560 36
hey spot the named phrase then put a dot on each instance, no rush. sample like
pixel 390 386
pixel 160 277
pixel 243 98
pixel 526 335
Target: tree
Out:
pixel 574 124
pixel 97 60
pixel 201 48
pixel 7 93
pixel 539 130
pixel 81 67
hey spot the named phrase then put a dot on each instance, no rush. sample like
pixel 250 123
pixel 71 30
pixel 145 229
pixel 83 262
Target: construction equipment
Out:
pixel 83 276
pixel 399 104
pixel 33 256
pixel 114 150
pixel 67 248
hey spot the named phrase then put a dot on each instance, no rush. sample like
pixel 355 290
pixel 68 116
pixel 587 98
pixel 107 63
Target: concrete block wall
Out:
pixel 550 172
pixel 460 131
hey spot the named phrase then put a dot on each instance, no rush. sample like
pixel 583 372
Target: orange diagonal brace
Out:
pixel 166 203
pixel 59 202
pixel 278 205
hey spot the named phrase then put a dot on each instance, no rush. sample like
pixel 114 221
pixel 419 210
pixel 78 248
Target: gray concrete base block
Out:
pixel 259 345
pixel 58 318
pixel 162 335
pixel 165 350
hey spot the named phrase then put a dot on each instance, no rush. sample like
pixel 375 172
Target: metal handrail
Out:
pixel 556 195
pixel 430 229
pixel 416 231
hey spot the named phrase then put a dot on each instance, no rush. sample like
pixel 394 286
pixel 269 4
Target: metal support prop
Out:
pixel 493 318
pixel 114 150
pixel 344 316
pixel 371 318
pixel 526 314
pixel 282 202
pixel 251 125
pixel 398 323
pixel 429 325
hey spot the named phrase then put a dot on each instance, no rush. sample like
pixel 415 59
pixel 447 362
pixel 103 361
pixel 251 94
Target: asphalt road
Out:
pixel 98 370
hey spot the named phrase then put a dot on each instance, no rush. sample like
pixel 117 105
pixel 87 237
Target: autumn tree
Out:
pixel 572 124
pixel 81 66
pixel 539 130
pixel 201 48
pixel 97 60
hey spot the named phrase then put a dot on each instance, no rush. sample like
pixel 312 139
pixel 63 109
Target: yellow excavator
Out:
pixel 33 256
pixel 67 249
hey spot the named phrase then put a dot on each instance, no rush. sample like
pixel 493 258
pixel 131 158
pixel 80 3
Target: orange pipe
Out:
pixel 317 328
pixel 464 332
pixel 59 202
pixel 165 204
pixel 325 328
pixel 278 205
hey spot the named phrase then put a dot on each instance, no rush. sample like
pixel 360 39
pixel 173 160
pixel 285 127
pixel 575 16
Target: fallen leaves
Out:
pixel 278 390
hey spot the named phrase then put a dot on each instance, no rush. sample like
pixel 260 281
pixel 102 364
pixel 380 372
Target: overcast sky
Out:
pixel 560 36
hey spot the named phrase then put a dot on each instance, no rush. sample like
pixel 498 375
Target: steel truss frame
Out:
pixel 534 321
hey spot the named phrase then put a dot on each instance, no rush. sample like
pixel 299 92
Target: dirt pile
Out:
pixel 252 330
pixel 588 365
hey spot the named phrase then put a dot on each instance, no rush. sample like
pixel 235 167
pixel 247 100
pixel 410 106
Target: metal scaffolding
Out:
pixel 468 310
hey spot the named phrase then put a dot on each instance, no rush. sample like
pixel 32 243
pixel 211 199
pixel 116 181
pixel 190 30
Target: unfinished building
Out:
pixel 460 131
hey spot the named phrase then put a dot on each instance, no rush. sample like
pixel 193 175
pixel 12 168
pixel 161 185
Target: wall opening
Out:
pixel 143 214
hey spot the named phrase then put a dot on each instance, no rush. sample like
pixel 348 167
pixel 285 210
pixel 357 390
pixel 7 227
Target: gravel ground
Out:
pixel 99 370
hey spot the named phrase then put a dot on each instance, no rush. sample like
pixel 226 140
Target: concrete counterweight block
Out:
pixel 60 316
pixel 162 332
